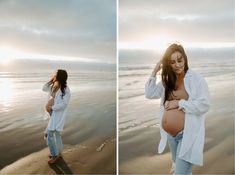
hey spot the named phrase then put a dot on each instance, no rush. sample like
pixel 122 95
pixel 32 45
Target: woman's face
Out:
pixel 53 75
pixel 177 62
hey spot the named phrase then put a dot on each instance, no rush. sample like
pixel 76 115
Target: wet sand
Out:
pixel 138 150
pixel 139 134
pixel 89 137
pixel 77 159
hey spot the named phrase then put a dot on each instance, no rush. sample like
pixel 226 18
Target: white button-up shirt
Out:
pixel 195 107
pixel 57 118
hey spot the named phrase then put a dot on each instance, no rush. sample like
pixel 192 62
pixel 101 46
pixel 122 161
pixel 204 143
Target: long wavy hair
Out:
pixel 61 76
pixel 168 75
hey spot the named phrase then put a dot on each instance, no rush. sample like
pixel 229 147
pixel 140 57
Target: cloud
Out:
pixel 82 28
pixel 201 21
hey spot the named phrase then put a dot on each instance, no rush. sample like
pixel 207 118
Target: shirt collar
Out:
pixel 188 73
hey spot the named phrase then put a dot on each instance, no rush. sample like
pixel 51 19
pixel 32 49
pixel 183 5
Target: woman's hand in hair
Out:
pixel 53 78
pixel 48 108
pixel 51 81
pixel 157 68
pixel 173 104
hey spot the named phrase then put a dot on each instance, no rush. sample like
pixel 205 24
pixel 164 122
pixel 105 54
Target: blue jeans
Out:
pixel 54 142
pixel 181 166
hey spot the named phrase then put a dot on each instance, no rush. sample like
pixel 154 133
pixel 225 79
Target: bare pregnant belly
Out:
pixel 173 121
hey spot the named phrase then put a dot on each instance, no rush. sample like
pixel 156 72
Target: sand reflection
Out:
pixel 6 93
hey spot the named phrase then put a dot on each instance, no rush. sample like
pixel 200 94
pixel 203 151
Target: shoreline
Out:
pixel 96 157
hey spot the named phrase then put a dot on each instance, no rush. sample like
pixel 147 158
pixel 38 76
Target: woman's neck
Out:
pixel 180 76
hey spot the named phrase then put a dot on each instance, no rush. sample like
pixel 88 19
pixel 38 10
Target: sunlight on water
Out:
pixel 6 93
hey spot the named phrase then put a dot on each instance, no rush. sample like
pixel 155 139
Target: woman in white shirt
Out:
pixel 59 95
pixel 184 101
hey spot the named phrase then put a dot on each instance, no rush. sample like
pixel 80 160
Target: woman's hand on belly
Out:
pixel 173 104
pixel 173 121
pixel 50 102
pixel 48 109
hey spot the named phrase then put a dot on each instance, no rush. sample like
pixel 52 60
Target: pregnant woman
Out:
pixel 59 96
pixel 184 101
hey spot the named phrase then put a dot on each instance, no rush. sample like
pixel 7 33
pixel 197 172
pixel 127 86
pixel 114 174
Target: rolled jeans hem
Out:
pixel 54 142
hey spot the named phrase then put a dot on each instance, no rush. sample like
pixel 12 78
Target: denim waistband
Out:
pixel 178 136
pixel 181 132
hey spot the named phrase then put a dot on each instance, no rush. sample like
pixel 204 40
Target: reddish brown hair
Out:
pixel 168 75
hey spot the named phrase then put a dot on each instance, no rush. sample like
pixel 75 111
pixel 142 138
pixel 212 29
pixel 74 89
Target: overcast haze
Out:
pixel 70 28
pixel 187 21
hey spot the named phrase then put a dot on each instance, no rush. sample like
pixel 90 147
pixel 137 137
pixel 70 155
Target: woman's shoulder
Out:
pixel 196 78
pixel 194 75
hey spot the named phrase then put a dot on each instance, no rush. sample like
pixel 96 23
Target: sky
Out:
pixel 151 24
pixel 83 30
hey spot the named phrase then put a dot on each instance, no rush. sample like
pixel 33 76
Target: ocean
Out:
pixel 216 65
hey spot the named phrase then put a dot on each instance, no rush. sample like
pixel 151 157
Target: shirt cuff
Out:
pixel 181 105
pixel 152 80
pixel 53 108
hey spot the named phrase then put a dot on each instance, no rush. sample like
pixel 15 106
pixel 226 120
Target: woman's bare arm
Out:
pixel 157 68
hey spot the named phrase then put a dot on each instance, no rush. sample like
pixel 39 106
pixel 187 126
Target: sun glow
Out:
pixel 157 43
pixel 160 43
pixel 8 54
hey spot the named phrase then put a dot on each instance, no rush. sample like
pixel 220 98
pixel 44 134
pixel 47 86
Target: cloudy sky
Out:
pixel 80 29
pixel 147 24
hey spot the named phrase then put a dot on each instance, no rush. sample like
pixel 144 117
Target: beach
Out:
pixel 89 134
pixel 139 124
